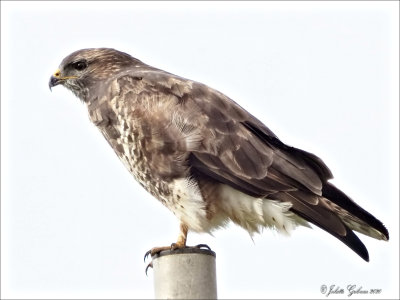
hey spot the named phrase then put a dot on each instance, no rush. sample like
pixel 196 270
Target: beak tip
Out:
pixel 53 82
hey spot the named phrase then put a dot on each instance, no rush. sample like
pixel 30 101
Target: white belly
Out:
pixel 253 214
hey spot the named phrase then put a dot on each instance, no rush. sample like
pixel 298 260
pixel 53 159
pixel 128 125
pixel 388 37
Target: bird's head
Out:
pixel 82 69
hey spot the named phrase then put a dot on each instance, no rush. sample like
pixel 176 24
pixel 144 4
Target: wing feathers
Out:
pixel 226 144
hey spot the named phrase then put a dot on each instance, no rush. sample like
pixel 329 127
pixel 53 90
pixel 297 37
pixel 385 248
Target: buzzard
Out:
pixel 205 157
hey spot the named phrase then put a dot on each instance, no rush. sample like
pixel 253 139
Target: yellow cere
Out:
pixel 57 73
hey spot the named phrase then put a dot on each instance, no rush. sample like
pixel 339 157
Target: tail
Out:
pixel 354 216
pixel 337 214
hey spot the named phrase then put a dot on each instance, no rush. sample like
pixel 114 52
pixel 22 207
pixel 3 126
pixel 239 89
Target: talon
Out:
pixel 146 255
pixel 150 265
pixel 156 250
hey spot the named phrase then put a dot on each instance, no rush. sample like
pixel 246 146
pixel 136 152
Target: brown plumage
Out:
pixel 203 156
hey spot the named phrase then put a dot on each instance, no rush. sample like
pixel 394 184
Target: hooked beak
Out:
pixel 56 79
pixel 53 82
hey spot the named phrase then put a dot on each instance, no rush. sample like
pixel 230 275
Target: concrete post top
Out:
pixel 187 273
pixel 187 250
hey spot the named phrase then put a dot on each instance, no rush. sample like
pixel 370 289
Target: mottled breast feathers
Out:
pixel 200 130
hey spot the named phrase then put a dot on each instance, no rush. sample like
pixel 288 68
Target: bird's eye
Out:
pixel 80 65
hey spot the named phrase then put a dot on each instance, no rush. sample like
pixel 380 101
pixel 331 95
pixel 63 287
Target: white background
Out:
pixel 322 75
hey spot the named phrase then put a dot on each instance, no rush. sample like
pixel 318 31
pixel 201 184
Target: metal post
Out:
pixel 187 273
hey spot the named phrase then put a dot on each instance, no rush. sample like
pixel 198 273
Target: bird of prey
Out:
pixel 206 158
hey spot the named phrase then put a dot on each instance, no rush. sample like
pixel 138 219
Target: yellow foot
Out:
pixel 157 250
pixel 174 246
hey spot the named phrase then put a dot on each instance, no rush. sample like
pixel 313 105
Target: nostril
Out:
pixel 57 74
